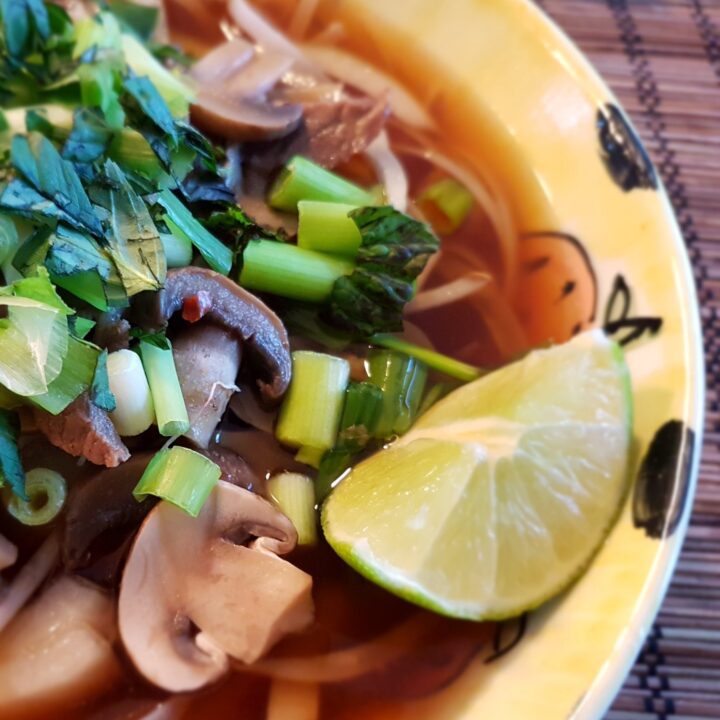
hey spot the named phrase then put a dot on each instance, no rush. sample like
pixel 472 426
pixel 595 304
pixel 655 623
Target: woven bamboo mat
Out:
pixel 662 58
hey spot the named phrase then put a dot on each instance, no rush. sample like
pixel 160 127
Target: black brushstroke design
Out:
pixel 500 648
pixel 618 319
pixel 661 490
pixel 622 152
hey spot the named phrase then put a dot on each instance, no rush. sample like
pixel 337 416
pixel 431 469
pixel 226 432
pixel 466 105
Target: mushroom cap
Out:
pixel 242 119
pixel 188 574
pixel 234 79
pixel 232 308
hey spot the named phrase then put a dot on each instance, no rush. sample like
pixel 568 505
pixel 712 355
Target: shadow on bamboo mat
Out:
pixel 662 58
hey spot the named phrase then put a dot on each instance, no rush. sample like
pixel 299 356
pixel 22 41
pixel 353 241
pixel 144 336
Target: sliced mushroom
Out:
pixel 101 519
pixel 190 596
pixel 58 651
pixel 8 553
pixel 207 359
pixel 264 339
pixel 242 119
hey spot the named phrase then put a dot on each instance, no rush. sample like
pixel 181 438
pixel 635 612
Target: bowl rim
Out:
pixel 597 700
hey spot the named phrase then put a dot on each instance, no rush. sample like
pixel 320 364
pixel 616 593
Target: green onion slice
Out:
pixel 181 476
pixel 46 491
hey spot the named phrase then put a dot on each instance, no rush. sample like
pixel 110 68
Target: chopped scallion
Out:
pixel 290 271
pixel 178 248
pixel 294 495
pixel 309 456
pixel 218 256
pixel 181 476
pixel 170 410
pixel 46 491
pixel 363 404
pixel 302 179
pixel 310 414
pixel 451 200
pixel 402 380
pixel 333 466
pixel 327 227
pixel 134 411
pixel 435 360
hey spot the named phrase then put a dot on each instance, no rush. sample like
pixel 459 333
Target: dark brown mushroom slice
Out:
pixel 218 112
pixel 264 338
pixel 101 520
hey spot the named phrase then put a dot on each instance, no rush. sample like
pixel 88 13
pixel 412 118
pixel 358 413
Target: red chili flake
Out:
pixel 196 306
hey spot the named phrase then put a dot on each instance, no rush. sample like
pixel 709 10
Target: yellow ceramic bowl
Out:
pixel 521 104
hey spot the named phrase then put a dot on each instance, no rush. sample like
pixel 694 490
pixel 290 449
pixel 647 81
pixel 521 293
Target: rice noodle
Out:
pixel 293 701
pixel 502 322
pixel 28 580
pixel 449 293
pixel 8 553
pixel 354 662
pixel 302 17
pixel 493 207
pixel 390 171
pixel 360 74
pixel 260 30
pixel 330 35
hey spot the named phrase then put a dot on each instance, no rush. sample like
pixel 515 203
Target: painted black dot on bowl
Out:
pixel 661 489
pixel 622 152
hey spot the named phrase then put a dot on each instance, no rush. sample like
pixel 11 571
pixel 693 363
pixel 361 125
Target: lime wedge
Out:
pixel 499 496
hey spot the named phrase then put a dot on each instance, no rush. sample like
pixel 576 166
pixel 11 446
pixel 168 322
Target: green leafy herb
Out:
pixel 11 470
pixel 156 339
pixel 152 105
pixel 21 19
pixel 100 88
pixel 140 19
pixel 395 248
pixel 54 180
pixel 135 243
pixel 80 326
pixel 237 228
pixel 89 138
pixel 100 393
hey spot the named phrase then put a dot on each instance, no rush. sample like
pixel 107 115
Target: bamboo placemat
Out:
pixel 662 59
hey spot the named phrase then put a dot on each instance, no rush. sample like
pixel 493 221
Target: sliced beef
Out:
pixel 112 331
pixel 101 520
pixel 83 430
pixel 332 132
